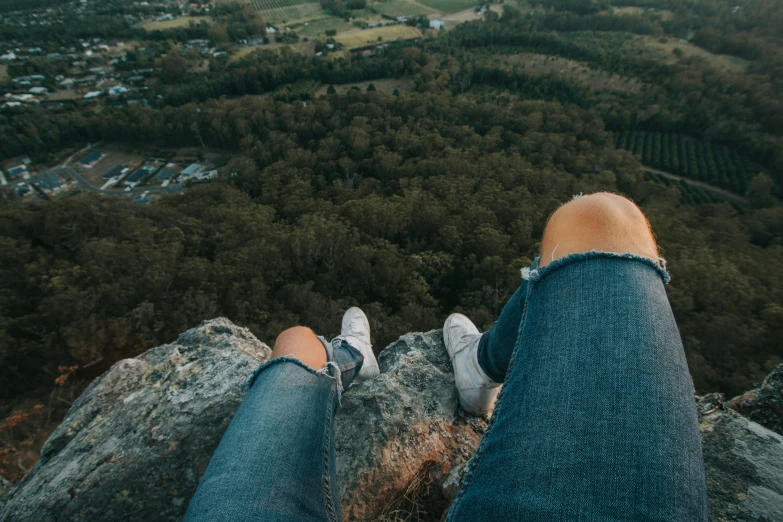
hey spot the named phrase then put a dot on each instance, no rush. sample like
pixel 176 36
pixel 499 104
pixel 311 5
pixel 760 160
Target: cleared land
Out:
pixel 541 64
pixel 319 27
pixel 450 6
pixel 64 95
pixel 402 8
pixel 109 160
pixel 154 25
pixel 666 54
pixel 369 36
pixel 664 14
pixel 387 85
pixel 3 73
pixel 467 15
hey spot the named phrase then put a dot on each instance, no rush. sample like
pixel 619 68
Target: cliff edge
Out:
pixel 136 442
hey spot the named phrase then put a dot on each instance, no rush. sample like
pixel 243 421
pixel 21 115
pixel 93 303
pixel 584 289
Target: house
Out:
pixel 141 198
pixel 118 90
pixel 49 184
pixel 38 90
pixel 116 172
pixel 136 177
pixel 92 94
pixel 191 169
pixel 91 159
pixel 164 174
pixel 23 189
pixel 17 171
pixel 436 24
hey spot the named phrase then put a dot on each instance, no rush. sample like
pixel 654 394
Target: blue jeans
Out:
pixel 596 420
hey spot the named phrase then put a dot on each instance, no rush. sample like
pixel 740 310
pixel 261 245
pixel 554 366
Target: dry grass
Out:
pixel 665 52
pixel 153 25
pixel 360 38
pixel 422 501
pixel 26 427
pixel 541 64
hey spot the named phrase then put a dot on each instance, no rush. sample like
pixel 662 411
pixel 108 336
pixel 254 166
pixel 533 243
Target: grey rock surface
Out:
pixel 136 442
pixel 764 404
pixel 402 433
pixel 744 465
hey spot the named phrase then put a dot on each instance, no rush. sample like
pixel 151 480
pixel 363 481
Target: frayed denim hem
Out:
pixel 535 274
pixel 327 371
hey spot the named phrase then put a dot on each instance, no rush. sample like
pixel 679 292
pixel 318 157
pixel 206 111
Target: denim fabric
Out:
pixel 275 461
pixel 596 420
pixel 497 344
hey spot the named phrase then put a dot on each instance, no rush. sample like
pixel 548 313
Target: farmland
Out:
pixel 284 11
pixel 154 25
pixel 402 8
pixel 3 73
pixel 690 158
pixel 450 6
pixel 379 34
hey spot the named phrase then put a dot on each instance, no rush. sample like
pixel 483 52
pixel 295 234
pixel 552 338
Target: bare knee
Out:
pixel 605 222
pixel 300 342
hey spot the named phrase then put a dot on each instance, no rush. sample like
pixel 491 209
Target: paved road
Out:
pixel 83 183
pixel 731 196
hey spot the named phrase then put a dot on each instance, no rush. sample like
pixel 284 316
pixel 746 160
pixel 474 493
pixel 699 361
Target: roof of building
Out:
pixel 136 175
pixel 17 170
pixel 91 157
pixel 164 174
pixel 48 181
pixel 192 169
pixel 116 171
pixel 141 198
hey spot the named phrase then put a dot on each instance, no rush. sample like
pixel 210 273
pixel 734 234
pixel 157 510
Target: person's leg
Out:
pixel 497 344
pixel 275 461
pixel 596 420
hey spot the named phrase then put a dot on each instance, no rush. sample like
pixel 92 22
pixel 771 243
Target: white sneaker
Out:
pixel 356 332
pixel 477 392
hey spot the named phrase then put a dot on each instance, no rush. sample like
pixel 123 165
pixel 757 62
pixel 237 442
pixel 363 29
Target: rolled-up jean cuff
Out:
pixel 536 274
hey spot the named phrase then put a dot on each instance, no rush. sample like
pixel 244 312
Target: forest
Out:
pixel 411 204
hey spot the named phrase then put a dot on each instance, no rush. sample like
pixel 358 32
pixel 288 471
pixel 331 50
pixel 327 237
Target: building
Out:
pixel 91 159
pixel 116 172
pixel 19 170
pixel 49 184
pixel 136 177
pixel 191 169
pixel 92 94
pixel 164 174
pixel 23 189
pixel 436 24
pixel 141 198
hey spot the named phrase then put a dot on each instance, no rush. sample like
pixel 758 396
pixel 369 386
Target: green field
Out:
pixel 396 8
pixel 450 6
